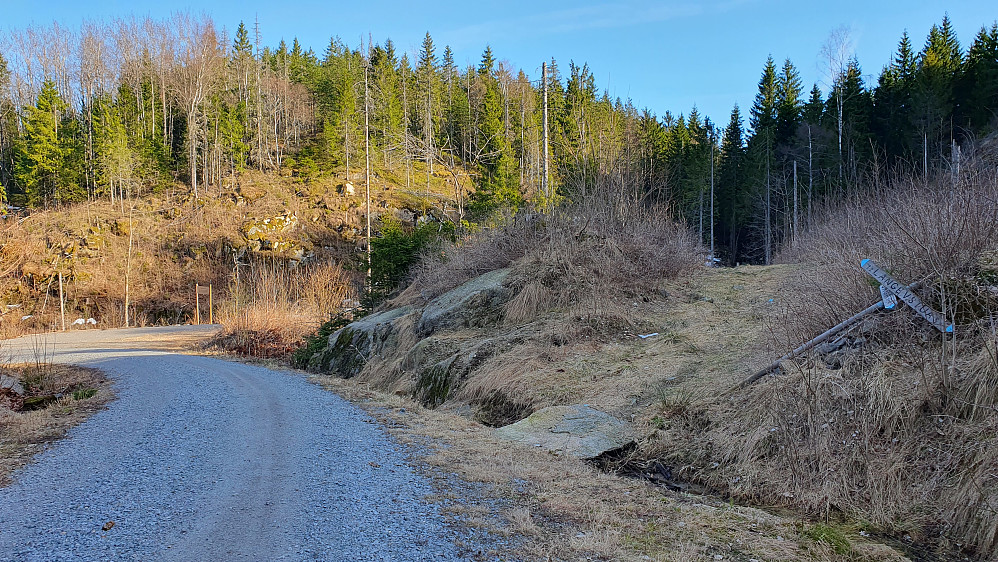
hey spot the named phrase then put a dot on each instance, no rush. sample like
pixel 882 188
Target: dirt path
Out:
pixel 200 458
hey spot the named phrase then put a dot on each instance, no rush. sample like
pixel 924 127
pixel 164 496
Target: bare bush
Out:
pixel 274 306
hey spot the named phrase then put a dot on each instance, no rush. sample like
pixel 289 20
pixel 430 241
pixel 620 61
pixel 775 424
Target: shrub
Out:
pixel 397 248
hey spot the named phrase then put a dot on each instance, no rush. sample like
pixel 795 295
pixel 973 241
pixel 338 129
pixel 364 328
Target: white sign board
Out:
pixel 889 298
pixel 893 286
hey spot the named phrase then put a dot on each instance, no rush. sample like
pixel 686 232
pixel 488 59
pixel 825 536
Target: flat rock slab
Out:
pixel 577 430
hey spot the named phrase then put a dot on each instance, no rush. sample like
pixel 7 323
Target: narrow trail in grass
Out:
pixel 200 459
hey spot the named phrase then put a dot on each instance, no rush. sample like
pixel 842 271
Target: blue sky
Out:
pixel 664 55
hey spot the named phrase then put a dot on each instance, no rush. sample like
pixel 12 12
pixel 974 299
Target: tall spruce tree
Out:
pixel 731 201
pixel 977 89
pixel 788 104
pixel 42 166
pixel 939 68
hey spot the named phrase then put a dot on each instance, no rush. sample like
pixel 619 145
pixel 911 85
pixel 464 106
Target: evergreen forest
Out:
pixel 123 108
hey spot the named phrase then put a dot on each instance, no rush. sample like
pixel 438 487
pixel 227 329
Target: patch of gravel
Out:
pixel 206 459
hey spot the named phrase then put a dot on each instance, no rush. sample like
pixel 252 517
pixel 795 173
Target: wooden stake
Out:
pixel 197 306
pixel 211 313
pixel 62 303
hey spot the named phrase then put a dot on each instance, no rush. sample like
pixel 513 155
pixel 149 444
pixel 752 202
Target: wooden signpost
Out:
pixel 898 289
pixel 198 291
pixel 890 291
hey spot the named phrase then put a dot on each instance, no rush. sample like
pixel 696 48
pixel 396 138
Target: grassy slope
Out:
pixel 712 333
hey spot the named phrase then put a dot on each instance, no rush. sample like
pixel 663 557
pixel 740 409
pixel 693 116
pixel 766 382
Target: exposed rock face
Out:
pixel 268 234
pixel 353 345
pixel 577 430
pixel 476 303
pixel 437 361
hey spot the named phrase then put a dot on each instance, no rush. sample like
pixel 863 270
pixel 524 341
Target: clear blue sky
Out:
pixel 664 55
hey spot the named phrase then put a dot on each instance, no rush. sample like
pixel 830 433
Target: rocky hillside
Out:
pixel 259 237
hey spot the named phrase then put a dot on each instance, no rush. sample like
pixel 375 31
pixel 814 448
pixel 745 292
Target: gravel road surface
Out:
pixel 204 459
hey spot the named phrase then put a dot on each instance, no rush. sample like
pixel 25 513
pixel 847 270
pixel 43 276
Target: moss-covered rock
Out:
pixel 352 346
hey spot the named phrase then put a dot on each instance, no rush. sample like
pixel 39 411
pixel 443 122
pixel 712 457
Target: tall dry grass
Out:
pixel 903 435
pixel 584 258
pixel 273 306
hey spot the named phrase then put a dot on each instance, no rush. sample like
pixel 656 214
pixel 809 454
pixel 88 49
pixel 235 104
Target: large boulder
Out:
pixel 351 346
pixel 577 430
pixel 476 303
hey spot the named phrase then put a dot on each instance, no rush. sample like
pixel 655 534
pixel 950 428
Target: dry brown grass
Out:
pixel 900 439
pixel 558 508
pixel 275 306
pixel 23 434
pixel 583 258
pixel 176 242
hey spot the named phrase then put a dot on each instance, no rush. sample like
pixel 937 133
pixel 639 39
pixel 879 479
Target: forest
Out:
pixel 123 108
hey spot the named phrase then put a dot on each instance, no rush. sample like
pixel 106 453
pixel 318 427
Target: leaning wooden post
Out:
pixel 891 290
pixel 807 346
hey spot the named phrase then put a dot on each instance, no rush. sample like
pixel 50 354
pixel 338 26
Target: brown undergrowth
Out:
pixel 891 429
pixel 275 306
pixel 160 245
pixel 558 508
pixel 60 397
pixel 583 259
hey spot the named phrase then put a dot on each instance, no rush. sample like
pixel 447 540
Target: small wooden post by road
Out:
pixel 62 303
pixel 203 290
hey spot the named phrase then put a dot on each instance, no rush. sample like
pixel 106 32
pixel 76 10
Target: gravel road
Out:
pixel 204 459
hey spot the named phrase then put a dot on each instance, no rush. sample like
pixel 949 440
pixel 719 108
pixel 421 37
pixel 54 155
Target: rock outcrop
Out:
pixel 11 393
pixel 436 360
pixel 476 303
pixel 353 345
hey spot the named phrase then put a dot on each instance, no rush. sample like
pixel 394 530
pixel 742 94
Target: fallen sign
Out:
pixel 891 285
pixel 890 291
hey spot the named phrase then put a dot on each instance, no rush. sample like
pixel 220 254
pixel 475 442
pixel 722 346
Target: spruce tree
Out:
pixel 498 186
pixel 977 90
pixel 788 103
pixel 938 72
pixel 730 196
pixel 43 155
